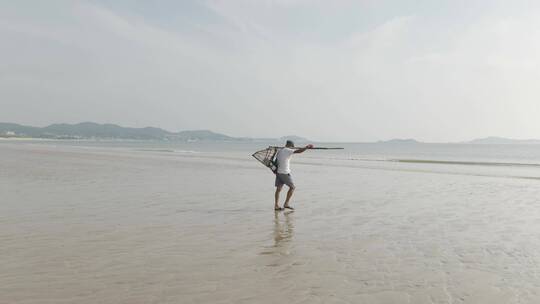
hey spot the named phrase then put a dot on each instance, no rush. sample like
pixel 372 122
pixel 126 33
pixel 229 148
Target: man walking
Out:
pixel 283 174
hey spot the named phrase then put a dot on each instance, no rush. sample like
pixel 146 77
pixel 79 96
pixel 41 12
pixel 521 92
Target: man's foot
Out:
pixel 288 207
pixel 278 208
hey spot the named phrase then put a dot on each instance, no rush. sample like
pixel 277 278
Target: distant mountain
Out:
pixel 94 130
pixel 294 138
pixel 15 129
pixel 399 141
pixel 202 135
pixel 91 130
pixel 492 140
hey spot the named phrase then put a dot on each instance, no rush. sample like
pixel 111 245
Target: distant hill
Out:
pixel 399 141
pixel 202 135
pixel 91 130
pixel 12 129
pixel 493 140
pixel 94 130
pixel 294 138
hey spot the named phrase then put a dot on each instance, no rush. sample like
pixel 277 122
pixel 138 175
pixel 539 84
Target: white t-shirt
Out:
pixel 283 160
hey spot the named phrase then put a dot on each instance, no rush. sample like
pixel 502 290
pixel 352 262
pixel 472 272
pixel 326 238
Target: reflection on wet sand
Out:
pixel 283 229
pixel 282 234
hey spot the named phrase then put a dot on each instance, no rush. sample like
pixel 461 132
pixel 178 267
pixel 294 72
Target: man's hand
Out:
pixel 301 150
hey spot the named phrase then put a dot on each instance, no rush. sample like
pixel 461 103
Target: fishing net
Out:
pixel 267 157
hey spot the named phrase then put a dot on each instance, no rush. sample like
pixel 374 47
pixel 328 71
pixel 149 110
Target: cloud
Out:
pixel 275 67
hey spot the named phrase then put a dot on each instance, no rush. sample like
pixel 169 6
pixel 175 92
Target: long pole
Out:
pixel 314 148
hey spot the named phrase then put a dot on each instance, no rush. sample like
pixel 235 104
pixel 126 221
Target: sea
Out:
pixel 169 222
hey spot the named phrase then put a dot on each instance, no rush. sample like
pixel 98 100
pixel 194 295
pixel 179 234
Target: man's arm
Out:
pixel 301 150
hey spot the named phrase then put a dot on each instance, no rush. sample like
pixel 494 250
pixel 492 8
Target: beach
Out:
pixel 108 224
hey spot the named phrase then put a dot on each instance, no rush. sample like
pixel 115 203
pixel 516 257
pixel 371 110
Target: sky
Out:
pixel 436 71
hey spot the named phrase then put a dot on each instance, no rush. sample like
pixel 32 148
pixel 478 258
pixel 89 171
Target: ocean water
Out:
pixel 153 222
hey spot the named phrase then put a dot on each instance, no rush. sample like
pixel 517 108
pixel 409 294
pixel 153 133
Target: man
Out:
pixel 283 174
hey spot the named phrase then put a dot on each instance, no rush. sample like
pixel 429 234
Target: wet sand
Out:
pixel 97 225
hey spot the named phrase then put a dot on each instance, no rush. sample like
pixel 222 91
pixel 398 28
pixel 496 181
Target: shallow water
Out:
pixel 130 224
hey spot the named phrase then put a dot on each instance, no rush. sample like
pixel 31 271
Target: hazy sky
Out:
pixel 326 70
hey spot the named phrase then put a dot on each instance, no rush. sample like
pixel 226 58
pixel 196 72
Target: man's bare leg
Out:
pixel 289 195
pixel 276 197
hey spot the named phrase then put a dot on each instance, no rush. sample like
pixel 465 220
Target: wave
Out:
pixel 433 161
pixel 186 151
pixel 464 163
pixel 369 164
pixel 168 151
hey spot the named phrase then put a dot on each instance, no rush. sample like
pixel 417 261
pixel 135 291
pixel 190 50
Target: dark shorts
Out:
pixel 284 179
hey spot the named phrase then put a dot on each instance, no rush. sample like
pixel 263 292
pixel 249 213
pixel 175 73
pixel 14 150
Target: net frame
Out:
pixel 267 157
